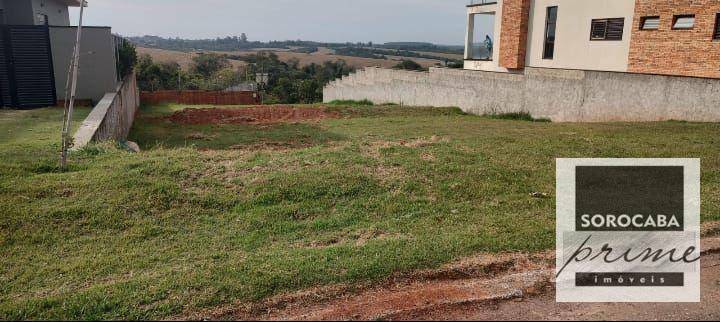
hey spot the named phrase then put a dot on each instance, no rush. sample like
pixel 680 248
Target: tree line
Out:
pixel 242 42
pixel 287 83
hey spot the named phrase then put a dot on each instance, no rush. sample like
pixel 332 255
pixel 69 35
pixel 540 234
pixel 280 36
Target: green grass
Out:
pixel 211 215
pixel 352 103
pixel 517 116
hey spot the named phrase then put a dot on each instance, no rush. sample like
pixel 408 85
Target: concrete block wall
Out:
pixel 113 117
pixel 560 95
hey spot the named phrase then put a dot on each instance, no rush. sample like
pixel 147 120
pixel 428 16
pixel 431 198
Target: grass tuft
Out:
pixel 352 103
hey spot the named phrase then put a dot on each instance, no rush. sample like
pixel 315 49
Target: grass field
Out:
pixel 213 214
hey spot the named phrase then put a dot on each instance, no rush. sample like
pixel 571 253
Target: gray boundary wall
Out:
pixel 559 95
pixel 112 118
pixel 98 69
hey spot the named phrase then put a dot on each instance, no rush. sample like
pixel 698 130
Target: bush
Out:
pixel 208 65
pixel 127 58
pixel 153 76
pixel 517 116
pixel 409 65
pixel 352 103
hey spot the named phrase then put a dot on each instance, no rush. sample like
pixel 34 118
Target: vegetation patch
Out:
pixel 517 116
pixel 352 103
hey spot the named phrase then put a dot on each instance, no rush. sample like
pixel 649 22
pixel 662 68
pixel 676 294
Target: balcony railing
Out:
pixel 481 2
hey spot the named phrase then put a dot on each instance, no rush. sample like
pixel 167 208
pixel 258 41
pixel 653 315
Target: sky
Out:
pixel 379 21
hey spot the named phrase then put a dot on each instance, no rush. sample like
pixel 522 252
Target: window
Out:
pixel 550 24
pixel 716 35
pixel 607 29
pixel 684 22
pixel 650 23
pixel 483 34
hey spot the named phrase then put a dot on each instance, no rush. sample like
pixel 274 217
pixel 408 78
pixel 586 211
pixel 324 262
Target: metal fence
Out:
pixel 27 78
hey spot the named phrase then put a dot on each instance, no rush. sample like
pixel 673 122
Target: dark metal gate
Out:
pixel 26 70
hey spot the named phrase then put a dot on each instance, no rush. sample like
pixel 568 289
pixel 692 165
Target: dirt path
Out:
pixel 485 287
pixel 544 307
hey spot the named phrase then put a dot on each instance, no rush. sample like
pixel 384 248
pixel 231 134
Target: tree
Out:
pixel 285 90
pixel 309 91
pixel 224 79
pixel 208 64
pixel 152 76
pixel 127 58
pixel 243 38
pixel 409 65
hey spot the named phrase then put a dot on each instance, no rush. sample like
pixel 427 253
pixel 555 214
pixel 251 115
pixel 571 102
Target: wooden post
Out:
pixel 67 120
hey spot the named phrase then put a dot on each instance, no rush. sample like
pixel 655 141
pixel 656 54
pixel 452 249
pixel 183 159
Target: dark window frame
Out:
pixel 676 17
pixel 607 24
pixel 645 18
pixel 549 45
pixel 716 32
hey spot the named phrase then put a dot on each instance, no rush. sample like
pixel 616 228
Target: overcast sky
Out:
pixel 437 21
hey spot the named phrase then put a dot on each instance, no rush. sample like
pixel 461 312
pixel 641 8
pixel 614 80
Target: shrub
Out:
pixel 409 65
pixel 517 116
pixel 127 58
pixel 352 103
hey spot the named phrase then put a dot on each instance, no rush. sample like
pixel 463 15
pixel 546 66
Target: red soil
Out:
pixel 249 115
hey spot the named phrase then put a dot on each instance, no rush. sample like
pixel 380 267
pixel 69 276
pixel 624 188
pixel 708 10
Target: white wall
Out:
pixel 24 12
pixel 573 48
pixel 57 12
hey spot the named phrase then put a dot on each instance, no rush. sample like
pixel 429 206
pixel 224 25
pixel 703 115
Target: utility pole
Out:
pixel 67 119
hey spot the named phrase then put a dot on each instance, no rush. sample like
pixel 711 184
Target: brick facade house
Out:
pixel 665 37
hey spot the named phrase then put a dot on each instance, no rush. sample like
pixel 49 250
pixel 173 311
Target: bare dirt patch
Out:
pixel 357 238
pixel 373 148
pixel 249 115
pixel 485 287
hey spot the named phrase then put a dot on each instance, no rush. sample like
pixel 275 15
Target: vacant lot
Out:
pixel 213 213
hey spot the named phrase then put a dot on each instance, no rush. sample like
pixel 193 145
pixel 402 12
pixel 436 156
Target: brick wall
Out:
pixel 199 98
pixel 514 33
pixel 676 52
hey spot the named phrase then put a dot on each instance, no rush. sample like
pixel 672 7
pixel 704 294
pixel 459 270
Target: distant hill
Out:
pixel 235 43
